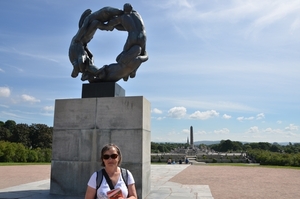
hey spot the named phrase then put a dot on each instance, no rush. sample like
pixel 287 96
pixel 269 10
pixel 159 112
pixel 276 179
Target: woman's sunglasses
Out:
pixel 112 156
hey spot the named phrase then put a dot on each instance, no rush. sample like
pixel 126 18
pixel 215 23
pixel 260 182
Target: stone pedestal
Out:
pixel 102 89
pixel 83 126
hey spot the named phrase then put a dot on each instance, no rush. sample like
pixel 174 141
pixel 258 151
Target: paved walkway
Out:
pixel 171 182
pixel 161 187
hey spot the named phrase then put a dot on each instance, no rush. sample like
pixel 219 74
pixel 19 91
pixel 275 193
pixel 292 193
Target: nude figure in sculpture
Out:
pixel 79 54
pixel 128 61
pixel 116 71
pixel 132 22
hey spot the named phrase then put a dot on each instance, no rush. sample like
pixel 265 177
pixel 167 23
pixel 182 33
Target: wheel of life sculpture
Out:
pixel 127 62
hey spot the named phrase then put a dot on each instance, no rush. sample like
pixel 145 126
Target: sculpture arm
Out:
pixel 115 22
pixel 88 52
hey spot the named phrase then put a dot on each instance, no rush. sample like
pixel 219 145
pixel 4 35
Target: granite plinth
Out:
pixel 102 89
pixel 83 126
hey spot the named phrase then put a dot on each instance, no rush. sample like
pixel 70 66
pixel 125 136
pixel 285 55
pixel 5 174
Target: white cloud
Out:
pixel 174 4
pixel 273 131
pixel 291 127
pixel 279 122
pixel 4 106
pixel 161 118
pixel 4 92
pixel 204 115
pixel 177 112
pixel 183 3
pixel 48 108
pixel 186 131
pixel 244 118
pixel 201 133
pixel 225 116
pixel 9 114
pixel 288 132
pixel 1 70
pixel 222 131
pixel 255 17
pixel 157 111
pixel 240 118
pixel 173 133
pixel 295 25
pixel 274 12
pixel 260 116
pixel 28 98
pixel 253 129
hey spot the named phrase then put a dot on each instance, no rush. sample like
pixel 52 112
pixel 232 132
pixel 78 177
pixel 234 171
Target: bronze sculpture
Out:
pixel 127 62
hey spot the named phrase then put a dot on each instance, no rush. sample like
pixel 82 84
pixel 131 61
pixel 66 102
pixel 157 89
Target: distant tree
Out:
pixel 264 145
pixel 292 148
pixel 40 136
pixel 237 146
pixel 161 148
pixel 7 151
pixel 20 153
pixel 5 134
pixel 10 125
pixel 32 156
pixel 247 147
pixel 214 147
pixel 20 134
pixel 225 145
pixel 254 145
pixel 275 148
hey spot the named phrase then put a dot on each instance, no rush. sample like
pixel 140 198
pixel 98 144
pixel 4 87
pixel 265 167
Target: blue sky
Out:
pixel 228 68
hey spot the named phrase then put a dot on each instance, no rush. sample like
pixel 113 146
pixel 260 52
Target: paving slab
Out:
pixel 161 187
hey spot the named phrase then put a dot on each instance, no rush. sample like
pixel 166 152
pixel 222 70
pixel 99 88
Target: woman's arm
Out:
pixel 90 193
pixel 132 191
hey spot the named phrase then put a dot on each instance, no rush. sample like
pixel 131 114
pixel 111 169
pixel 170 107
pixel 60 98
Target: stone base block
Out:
pixel 102 89
pixel 83 126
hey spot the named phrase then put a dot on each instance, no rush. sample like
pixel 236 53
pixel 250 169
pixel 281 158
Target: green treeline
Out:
pixel 166 147
pixel 274 158
pixel 25 143
pixel 235 146
pixel 263 152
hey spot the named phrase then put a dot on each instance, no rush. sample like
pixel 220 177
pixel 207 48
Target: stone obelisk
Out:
pixel 192 137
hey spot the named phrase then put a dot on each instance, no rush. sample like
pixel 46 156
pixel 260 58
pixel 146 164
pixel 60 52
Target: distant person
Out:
pixel 180 161
pixel 186 161
pixel 111 158
pixel 169 161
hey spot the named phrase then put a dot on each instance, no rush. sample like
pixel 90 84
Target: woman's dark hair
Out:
pixel 106 148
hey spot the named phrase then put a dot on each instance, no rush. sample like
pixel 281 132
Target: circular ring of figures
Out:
pixel 107 19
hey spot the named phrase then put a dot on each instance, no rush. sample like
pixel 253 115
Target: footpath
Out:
pixel 161 187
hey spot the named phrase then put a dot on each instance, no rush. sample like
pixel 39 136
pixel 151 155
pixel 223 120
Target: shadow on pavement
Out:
pixel 34 194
